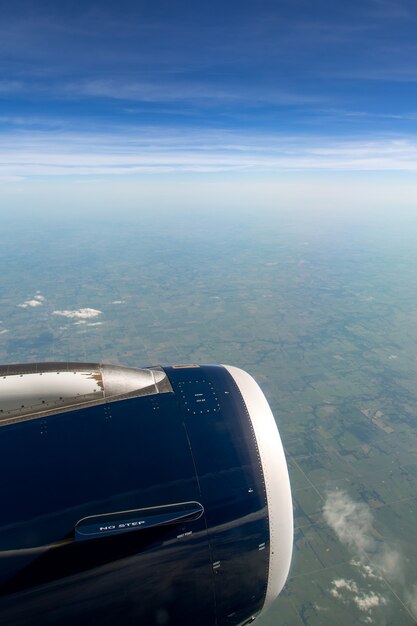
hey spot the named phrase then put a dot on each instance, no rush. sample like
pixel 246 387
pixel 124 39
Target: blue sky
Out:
pixel 98 90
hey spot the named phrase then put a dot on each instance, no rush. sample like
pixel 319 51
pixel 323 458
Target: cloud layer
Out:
pixel 27 155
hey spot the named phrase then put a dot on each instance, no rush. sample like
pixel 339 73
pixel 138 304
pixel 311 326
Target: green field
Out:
pixel 323 312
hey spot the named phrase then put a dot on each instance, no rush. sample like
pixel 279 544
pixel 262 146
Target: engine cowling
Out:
pixel 155 496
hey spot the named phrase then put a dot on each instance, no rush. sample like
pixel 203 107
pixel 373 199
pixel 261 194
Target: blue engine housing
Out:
pixel 139 510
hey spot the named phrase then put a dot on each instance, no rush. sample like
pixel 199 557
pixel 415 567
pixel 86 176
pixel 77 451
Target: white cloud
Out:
pixel 350 520
pixel 95 324
pixel 118 302
pixel 341 583
pixel 347 590
pixel 353 524
pixel 145 151
pixel 366 602
pixel 29 303
pixel 79 313
pixel 37 300
pixel 168 91
pixel 366 570
pixel 3 331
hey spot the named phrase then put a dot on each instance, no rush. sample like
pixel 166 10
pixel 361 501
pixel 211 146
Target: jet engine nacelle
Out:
pixel 154 497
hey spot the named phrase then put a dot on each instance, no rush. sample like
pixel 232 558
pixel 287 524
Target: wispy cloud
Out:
pixel 353 524
pixel 369 116
pixel 375 560
pixel 366 570
pixel 79 313
pixel 10 86
pixel 391 9
pixel 151 150
pixel 167 90
pixel 388 71
pixel 411 598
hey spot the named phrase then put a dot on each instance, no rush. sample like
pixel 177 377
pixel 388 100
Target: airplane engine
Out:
pixel 154 497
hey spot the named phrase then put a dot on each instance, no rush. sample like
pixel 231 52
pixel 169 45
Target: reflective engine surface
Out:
pixel 155 496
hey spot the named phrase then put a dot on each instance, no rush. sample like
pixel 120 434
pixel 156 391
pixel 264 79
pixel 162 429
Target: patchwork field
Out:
pixel 322 313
